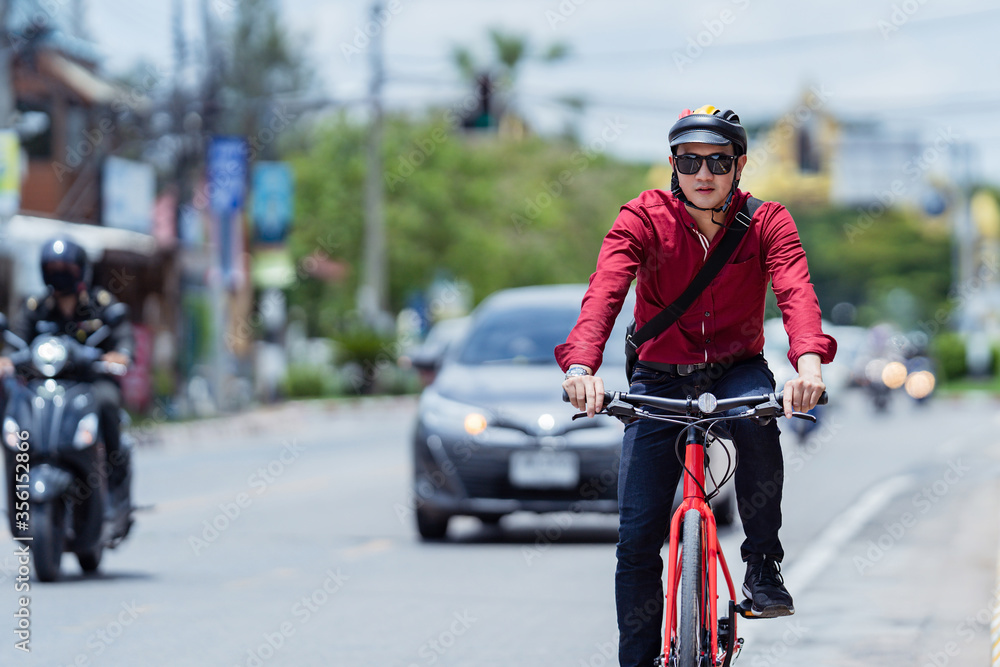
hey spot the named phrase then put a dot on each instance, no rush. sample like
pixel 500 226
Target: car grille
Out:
pixel 485 475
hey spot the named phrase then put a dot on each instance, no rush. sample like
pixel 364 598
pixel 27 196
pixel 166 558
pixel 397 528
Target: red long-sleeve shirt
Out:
pixel 656 241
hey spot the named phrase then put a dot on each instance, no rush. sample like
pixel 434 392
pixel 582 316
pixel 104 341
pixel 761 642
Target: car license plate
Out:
pixel 544 469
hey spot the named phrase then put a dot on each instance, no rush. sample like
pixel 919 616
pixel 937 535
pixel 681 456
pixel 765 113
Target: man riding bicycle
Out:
pixel 661 239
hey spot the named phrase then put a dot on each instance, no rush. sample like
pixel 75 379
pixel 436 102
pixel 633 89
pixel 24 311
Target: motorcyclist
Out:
pixel 72 306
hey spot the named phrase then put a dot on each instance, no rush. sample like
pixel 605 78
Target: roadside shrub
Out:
pixel 304 381
pixel 363 354
pixel 949 350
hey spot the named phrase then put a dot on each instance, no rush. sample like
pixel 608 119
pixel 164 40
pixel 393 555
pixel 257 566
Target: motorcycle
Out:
pixel 57 470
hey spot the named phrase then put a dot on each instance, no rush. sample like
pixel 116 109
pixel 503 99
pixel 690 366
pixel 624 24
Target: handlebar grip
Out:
pixel 780 396
pixel 608 396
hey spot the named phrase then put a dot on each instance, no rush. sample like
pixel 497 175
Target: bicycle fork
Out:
pixel 711 558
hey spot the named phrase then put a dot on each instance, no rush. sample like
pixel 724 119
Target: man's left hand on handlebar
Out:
pixel 803 393
pixel 585 392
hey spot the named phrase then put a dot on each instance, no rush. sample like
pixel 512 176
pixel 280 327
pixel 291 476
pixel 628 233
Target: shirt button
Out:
pixel 708 340
pixel 708 314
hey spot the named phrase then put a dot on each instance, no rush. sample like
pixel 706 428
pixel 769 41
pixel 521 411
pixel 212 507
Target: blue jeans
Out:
pixel 647 481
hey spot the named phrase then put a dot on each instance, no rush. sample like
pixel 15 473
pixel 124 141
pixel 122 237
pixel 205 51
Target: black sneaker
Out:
pixel 765 588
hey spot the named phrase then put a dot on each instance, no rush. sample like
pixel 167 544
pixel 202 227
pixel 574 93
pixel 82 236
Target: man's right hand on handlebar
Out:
pixel 585 392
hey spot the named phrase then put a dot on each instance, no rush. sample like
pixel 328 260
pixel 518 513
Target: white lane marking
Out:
pixel 832 540
pixel 369 548
pixel 995 622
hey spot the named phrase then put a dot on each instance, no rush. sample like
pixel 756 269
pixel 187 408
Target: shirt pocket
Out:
pixel 740 274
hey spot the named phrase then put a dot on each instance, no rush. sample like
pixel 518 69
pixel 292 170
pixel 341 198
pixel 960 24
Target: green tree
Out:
pixel 493 213
pixel 501 214
pixel 861 260
pixel 263 63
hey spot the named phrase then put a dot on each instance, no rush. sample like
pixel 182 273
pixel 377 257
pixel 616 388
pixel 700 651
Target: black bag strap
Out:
pixel 727 246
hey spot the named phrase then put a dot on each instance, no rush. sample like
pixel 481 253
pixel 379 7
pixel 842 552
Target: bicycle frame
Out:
pixel 712 556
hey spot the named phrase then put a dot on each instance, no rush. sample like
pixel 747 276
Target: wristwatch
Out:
pixel 575 371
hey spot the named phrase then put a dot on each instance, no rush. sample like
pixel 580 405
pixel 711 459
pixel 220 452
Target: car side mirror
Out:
pixel 427 361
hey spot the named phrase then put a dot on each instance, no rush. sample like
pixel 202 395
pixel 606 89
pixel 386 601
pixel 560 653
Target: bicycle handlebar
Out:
pixel 684 406
pixel 764 405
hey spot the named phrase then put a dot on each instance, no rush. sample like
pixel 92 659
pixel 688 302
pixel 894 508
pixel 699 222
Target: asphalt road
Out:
pixel 284 537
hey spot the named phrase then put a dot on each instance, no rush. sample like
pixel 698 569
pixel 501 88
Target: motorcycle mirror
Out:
pixel 11 339
pixel 115 314
pixel 3 322
pixel 96 338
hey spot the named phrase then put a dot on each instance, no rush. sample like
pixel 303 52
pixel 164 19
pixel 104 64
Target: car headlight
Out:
pixel 86 431
pixel 11 435
pixel 48 354
pixel 441 412
pixel 475 423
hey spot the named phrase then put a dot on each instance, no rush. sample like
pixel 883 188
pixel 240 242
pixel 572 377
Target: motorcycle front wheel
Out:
pixel 91 560
pixel 48 538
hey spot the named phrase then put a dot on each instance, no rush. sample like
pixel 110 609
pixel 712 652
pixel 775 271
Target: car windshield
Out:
pixel 518 335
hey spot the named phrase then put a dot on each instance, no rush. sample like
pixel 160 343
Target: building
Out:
pixel 71 122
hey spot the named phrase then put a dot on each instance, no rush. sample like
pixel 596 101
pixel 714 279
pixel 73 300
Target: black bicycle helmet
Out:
pixel 65 267
pixel 707 125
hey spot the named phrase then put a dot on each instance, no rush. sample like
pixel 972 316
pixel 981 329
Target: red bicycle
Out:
pixel 694 635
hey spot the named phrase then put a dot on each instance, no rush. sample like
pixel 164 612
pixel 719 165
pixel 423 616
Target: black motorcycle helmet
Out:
pixel 65 267
pixel 707 125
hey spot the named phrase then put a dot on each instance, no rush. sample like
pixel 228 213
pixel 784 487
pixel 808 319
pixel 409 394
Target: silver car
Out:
pixel 493 435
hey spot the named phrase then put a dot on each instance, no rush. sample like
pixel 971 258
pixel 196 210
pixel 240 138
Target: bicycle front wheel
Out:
pixel 691 593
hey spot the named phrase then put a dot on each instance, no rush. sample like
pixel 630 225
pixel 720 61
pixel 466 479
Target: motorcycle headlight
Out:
pixel 920 384
pixel 11 436
pixel 49 355
pixel 894 375
pixel 86 431
pixel 874 368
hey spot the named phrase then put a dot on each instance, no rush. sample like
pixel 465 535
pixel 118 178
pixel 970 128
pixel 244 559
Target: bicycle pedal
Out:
pixel 744 609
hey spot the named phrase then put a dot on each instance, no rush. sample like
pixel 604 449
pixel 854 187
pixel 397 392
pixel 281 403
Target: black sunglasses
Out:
pixel 691 164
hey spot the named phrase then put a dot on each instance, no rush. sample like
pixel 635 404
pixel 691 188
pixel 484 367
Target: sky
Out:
pixel 918 66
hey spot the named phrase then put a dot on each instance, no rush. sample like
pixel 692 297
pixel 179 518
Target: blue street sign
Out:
pixel 227 183
pixel 272 201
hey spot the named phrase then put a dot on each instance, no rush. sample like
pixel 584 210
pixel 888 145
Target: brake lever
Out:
pixel 626 412
pixel 768 411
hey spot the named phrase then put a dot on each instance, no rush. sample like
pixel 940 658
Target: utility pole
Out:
pixel 372 293
pixel 7 102
pixel 216 289
pixel 78 29
pixel 180 48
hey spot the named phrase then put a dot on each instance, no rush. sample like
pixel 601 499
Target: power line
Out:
pixel 761 44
